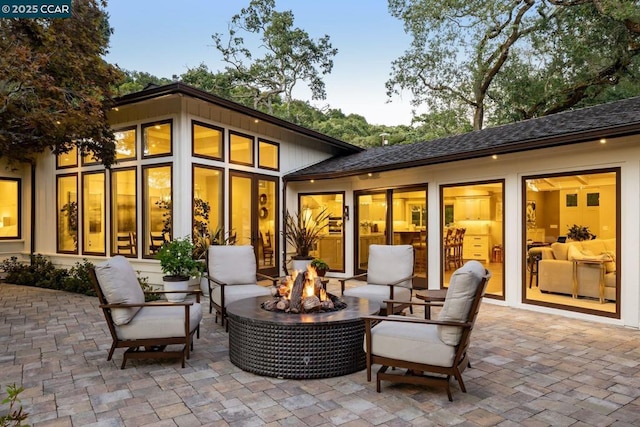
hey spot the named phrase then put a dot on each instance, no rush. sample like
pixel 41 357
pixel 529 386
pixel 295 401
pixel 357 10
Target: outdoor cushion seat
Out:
pixel 232 276
pixel 145 329
pixel 389 276
pixel 431 351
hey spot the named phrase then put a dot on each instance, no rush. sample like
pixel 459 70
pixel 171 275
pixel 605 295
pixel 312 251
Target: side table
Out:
pixel 431 295
pixel 590 263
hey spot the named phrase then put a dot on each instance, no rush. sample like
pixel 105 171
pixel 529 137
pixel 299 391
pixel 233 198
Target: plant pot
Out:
pixel 321 272
pixel 301 264
pixel 176 283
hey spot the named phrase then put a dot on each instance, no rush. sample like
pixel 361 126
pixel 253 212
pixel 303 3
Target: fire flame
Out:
pixel 309 285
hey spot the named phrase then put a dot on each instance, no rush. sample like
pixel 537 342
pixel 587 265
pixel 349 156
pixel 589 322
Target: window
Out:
pixel 207 141
pixel 331 244
pixel 207 205
pixel 123 212
pixel 67 160
pixel 157 216
pixel 240 149
pixel 571 251
pixel 93 213
pixel 268 155
pixel 67 213
pixel 125 144
pixel 156 139
pixel 9 208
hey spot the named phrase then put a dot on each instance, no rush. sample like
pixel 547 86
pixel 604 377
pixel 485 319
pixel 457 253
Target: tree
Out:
pixel 135 81
pixel 484 54
pixel 290 55
pixel 55 87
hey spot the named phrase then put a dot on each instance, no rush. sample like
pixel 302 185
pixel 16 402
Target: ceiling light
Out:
pixel 603 140
pixel 495 156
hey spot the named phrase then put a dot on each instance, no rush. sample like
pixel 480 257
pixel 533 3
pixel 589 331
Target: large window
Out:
pixel 67 160
pixel 268 155
pixel 156 139
pixel 93 213
pixel 207 206
pixel 472 229
pixel 240 149
pixel 9 208
pixel 124 234
pixel 125 144
pixel 571 227
pixel 157 216
pixel 207 141
pixel 331 245
pixel 67 213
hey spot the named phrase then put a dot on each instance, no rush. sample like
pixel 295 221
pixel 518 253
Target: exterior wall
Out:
pixel 296 151
pixel 622 152
pixel 18 247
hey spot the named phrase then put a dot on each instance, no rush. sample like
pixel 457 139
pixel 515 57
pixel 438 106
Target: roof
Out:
pixel 154 91
pixel 609 120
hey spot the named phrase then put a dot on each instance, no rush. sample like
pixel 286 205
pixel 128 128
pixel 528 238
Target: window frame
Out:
pixel 18 235
pixel 112 224
pixel 58 213
pixel 142 243
pixel 277 148
pixel 252 146
pixel 144 126
pixel 195 123
pixel 83 211
pixel 135 143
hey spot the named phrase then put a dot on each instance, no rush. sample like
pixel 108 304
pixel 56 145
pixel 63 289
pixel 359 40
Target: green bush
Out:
pixel 78 280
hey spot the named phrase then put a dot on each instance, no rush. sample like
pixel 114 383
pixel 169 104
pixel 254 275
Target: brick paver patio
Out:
pixel 529 369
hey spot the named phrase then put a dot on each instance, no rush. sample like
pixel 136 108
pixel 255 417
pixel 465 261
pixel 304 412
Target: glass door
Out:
pixel 252 218
pixel 371 218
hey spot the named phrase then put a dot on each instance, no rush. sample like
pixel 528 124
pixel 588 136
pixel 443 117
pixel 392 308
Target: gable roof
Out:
pixel 153 91
pixel 609 120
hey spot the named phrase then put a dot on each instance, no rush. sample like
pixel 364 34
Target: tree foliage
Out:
pixel 290 54
pixel 55 86
pixel 135 81
pixel 537 57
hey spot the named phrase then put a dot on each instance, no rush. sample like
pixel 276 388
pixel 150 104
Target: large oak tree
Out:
pixel 55 86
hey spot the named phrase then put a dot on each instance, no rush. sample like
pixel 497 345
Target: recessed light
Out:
pixel 495 156
pixel 603 140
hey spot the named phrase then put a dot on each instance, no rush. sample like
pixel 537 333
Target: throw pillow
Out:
pixel 575 253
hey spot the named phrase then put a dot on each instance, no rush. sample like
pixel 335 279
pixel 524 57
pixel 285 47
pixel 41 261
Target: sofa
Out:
pixel 591 263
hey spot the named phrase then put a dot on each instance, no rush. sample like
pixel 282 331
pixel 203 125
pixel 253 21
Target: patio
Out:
pixel 528 369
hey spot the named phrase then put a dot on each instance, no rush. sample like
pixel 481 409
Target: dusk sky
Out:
pixel 168 37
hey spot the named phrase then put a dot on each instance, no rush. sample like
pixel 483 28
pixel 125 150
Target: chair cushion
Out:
pixel 379 293
pixel 389 263
pixel 160 322
pixel 462 289
pixel 412 342
pixel 238 292
pixel 233 265
pixel 120 285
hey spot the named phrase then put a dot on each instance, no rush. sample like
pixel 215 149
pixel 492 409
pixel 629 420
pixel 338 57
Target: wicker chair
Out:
pixel 389 276
pixel 431 351
pixel 144 329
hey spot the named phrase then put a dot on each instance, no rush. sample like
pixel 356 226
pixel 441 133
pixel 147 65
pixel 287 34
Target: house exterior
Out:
pixel 190 163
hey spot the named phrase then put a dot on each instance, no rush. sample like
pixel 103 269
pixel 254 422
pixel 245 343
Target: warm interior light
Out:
pixel 312 181
pixel 603 140
pixel 495 156
pixel 370 174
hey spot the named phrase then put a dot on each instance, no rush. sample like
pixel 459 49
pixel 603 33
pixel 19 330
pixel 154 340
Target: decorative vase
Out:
pixel 176 283
pixel 301 264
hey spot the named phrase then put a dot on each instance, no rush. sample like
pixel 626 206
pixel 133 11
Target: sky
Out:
pixel 166 38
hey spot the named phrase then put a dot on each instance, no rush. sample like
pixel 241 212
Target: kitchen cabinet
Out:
pixel 365 241
pixel 476 246
pixel 330 249
pixel 472 208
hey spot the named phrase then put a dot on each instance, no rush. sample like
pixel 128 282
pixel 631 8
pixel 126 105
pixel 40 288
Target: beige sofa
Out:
pixel 591 263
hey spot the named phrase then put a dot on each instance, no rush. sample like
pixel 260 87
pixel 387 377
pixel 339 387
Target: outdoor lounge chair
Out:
pixel 431 351
pixel 144 329
pixel 389 276
pixel 232 275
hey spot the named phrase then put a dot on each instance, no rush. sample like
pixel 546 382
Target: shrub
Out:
pixel 78 280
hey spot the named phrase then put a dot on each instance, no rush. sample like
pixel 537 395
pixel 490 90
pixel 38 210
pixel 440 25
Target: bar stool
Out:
pixel 533 258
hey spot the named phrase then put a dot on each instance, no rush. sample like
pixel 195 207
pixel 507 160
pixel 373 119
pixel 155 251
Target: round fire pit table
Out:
pixel 286 345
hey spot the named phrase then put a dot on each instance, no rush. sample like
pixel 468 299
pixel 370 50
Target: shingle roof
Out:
pixel 602 121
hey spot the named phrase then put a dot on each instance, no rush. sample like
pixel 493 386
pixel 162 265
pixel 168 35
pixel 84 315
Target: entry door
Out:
pixel 253 212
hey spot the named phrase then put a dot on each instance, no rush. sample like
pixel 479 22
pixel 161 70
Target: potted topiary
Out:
pixel 320 266
pixel 303 231
pixel 178 266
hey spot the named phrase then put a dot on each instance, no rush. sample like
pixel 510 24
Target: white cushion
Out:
pixel 379 293
pixel 233 265
pixel 238 292
pixel 390 263
pixel 120 285
pixel 412 342
pixel 160 322
pixel 463 286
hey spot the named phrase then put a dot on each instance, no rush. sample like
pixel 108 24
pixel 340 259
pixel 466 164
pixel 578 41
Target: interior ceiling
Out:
pixel 557 183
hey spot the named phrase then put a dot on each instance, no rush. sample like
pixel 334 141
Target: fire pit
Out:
pixel 310 345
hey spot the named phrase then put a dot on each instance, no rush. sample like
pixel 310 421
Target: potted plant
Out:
pixel 579 233
pixel 320 266
pixel 178 266
pixel 303 231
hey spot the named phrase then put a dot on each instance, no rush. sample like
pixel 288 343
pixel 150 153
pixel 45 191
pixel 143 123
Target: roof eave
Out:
pixel 516 147
pixel 181 88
